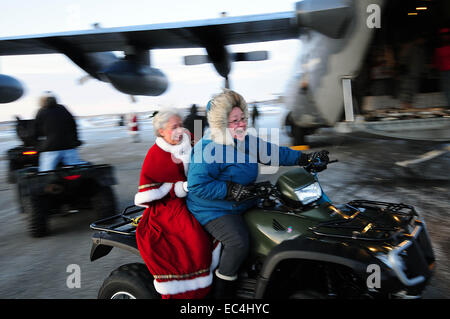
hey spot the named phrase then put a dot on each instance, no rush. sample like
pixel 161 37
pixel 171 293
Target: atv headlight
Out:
pixel 309 193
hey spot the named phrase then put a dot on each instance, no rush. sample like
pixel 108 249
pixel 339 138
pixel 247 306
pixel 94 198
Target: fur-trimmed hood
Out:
pixel 218 110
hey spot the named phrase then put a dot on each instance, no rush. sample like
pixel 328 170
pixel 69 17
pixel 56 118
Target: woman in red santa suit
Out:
pixel 177 251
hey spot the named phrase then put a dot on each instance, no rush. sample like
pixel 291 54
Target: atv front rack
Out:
pixel 389 208
pixel 368 220
pixel 124 223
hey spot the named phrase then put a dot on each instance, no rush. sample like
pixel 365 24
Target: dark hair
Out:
pixel 48 100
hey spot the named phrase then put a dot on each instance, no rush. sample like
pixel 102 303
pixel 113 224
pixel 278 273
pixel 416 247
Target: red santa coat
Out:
pixel 176 249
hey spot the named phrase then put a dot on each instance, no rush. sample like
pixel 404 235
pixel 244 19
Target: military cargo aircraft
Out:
pixel 335 76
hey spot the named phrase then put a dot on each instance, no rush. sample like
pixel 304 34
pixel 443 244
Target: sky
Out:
pixel 187 84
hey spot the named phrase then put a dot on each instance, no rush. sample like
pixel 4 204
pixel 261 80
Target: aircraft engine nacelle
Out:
pixel 136 79
pixel 10 89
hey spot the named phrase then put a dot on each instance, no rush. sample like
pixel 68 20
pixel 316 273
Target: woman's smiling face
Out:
pixel 237 123
pixel 173 130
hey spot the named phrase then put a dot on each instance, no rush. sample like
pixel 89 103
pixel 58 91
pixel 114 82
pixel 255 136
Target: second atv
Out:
pixel 67 189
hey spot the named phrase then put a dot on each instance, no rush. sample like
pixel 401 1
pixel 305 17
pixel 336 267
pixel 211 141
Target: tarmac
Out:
pixel 40 268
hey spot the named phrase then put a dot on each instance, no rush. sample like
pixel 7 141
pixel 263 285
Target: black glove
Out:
pixel 238 192
pixel 316 161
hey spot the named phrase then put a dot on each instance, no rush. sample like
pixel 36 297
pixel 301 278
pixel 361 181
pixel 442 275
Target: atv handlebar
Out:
pixel 317 165
pixel 267 189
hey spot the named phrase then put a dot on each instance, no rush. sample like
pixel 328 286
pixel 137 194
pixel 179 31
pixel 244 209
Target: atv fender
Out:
pixel 313 249
pixel 34 182
pixel 103 243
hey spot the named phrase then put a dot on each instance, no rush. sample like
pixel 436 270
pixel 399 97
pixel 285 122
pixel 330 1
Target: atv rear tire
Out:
pixel 131 281
pixel 37 209
pixel 104 202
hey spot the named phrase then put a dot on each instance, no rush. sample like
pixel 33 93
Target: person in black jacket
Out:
pixel 194 119
pixel 56 134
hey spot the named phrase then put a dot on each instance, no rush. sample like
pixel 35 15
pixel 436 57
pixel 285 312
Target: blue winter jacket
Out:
pixel 212 165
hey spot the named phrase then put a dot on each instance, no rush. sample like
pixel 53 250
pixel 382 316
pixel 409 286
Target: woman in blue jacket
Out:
pixel 223 168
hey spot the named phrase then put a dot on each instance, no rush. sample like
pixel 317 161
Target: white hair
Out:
pixel 162 117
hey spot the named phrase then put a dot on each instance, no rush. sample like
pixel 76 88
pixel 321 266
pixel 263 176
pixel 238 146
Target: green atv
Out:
pixel 302 246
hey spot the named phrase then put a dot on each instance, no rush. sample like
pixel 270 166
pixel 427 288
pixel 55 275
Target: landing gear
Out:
pixel 297 133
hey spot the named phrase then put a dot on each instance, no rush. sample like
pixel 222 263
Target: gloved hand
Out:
pixel 317 161
pixel 238 192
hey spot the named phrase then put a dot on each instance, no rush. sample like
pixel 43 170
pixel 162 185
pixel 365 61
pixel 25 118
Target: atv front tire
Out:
pixel 131 281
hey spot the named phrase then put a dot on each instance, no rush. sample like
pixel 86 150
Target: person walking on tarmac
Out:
pixel 56 134
pixel 255 115
pixel 134 128
pixel 194 119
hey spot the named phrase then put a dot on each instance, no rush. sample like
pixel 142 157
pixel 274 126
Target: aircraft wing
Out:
pixel 190 34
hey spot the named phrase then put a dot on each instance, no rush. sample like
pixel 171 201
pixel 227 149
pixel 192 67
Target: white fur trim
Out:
pixel 185 187
pixel 173 287
pixel 220 108
pixel 141 198
pixel 228 278
pixel 179 189
pixel 180 286
pixel 180 151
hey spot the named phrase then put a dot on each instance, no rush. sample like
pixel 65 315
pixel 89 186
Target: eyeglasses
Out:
pixel 236 122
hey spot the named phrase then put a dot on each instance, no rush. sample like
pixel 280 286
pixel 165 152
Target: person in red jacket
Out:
pixel 177 251
pixel 442 62
pixel 134 128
